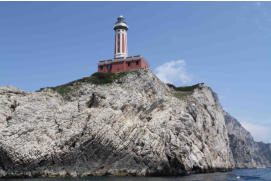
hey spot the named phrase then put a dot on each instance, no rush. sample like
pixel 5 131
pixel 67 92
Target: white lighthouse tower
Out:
pixel 120 28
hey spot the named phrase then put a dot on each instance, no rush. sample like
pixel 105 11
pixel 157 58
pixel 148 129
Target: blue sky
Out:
pixel 226 45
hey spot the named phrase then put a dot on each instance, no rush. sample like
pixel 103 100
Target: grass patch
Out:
pixel 184 88
pixel 98 78
pixel 182 92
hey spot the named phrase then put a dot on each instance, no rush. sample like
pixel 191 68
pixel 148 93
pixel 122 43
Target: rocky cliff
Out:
pixel 246 152
pixel 112 124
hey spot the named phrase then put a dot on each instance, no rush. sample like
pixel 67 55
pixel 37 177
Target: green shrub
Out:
pixel 105 78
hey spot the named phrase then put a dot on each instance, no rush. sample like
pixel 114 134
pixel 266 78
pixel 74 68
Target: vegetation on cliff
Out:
pixel 101 78
pixel 98 78
pixel 182 92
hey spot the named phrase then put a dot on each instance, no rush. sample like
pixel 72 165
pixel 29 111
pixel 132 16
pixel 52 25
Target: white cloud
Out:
pixel 259 132
pixel 173 72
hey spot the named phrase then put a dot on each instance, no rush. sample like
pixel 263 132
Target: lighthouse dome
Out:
pixel 120 24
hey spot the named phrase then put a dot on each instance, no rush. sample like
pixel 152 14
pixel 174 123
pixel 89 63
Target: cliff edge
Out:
pixel 247 153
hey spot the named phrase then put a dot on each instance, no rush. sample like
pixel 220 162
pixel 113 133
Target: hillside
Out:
pixel 129 123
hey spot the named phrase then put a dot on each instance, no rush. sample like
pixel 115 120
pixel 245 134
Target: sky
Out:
pixel 226 45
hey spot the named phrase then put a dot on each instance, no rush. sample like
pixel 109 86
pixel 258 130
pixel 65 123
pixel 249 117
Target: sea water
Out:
pixel 263 174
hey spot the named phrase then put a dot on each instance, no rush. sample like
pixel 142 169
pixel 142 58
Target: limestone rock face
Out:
pixel 247 153
pixel 133 126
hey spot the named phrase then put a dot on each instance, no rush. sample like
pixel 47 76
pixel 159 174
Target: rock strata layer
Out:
pixel 247 153
pixel 136 125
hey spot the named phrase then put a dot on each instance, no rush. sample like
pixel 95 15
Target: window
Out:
pixel 129 63
pixel 137 62
pixel 109 67
pixel 101 67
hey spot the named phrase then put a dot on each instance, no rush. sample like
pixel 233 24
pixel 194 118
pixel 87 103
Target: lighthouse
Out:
pixel 120 28
pixel 121 62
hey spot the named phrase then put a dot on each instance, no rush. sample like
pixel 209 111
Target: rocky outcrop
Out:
pixel 246 152
pixel 134 125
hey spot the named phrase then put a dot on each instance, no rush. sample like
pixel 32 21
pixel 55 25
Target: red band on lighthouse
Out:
pixel 123 45
pixel 118 45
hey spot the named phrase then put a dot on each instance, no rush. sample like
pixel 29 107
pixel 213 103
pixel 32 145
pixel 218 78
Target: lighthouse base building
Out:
pixel 122 62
